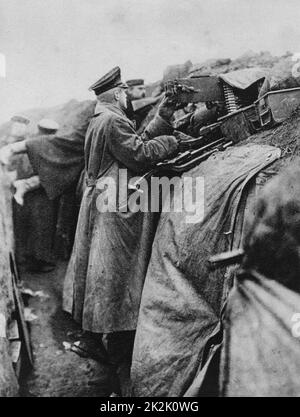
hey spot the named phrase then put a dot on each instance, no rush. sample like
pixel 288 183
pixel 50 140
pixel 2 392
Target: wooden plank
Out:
pixel 20 311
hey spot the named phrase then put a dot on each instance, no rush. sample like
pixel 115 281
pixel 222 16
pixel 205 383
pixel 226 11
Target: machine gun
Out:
pixel 211 139
pixel 193 151
pixel 203 89
pixel 143 103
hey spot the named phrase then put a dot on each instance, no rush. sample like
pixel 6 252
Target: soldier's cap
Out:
pixel 110 80
pixel 48 125
pixel 133 83
pixel 20 118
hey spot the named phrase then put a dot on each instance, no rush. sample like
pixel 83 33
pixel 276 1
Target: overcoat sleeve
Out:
pixel 133 150
pixel 157 127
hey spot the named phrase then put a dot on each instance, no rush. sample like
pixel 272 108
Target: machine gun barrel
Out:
pixel 195 89
pixel 184 161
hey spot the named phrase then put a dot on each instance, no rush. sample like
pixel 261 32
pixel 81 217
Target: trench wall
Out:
pixel 8 380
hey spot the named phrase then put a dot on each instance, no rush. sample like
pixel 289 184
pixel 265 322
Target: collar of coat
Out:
pixel 102 107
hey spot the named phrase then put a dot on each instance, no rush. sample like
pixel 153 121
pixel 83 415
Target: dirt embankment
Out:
pixel 285 136
pixel 8 381
pixel 70 116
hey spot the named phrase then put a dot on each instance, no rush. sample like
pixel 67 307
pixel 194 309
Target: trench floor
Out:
pixel 57 372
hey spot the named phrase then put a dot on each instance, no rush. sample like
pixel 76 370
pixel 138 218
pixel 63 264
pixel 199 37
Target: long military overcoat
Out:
pixel 106 272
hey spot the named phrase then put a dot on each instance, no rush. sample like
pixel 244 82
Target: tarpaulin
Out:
pixel 244 78
pixel 182 299
pixel 262 339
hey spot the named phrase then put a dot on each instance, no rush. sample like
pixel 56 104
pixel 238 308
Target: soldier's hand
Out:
pixel 20 188
pixel 6 154
pixel 167 108
pixel 183 141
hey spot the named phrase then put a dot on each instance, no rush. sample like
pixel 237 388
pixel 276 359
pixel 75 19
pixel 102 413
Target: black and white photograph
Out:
pixel 149 201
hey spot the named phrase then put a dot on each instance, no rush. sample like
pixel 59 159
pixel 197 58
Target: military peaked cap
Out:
pixel 48 125
pixel 20 118
pixel 110 80
pixel 133 83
